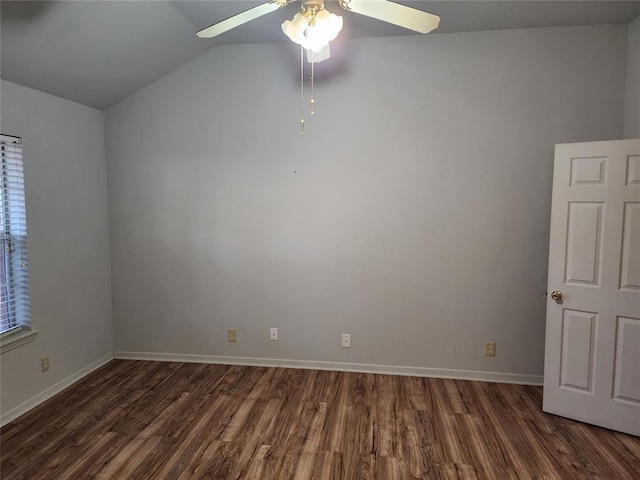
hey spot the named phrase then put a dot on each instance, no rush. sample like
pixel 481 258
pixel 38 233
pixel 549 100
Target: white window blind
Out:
pixel 15 312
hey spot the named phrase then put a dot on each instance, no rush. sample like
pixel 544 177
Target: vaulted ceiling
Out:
pixel 96 52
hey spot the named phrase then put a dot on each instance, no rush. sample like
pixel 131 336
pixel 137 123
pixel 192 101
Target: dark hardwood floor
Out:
pixel 155 420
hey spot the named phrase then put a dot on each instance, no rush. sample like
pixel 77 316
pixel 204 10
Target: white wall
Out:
pixel 632 99
pixel 413 213
pixel 68 242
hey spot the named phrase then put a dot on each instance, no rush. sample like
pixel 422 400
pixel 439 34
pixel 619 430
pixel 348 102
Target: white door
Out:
pixel 592 351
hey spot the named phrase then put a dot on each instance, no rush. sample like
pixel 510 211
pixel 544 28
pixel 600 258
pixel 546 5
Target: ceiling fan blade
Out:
pixel 239 19
pixel 401 15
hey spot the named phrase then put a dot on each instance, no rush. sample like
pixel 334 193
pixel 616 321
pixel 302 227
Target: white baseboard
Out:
pixel 497 377
pixel 33 402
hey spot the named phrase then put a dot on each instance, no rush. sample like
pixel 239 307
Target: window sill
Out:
pixel 17 340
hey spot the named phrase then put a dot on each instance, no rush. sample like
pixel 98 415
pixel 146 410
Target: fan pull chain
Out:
pixel 301 89
pixel 312 101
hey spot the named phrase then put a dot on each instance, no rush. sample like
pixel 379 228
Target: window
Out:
pixel 14 274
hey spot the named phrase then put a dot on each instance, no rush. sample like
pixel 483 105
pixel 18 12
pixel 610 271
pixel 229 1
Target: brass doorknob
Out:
pixel 556 295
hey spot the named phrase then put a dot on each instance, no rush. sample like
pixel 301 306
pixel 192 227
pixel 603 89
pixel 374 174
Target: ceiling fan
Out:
pixel 314 27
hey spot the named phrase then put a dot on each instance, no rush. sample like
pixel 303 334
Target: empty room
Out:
pixel 305 239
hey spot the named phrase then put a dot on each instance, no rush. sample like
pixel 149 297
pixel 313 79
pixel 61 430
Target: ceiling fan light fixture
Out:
pixel 327 27
pixel 320 56
pixel 313 28
pixel 294 29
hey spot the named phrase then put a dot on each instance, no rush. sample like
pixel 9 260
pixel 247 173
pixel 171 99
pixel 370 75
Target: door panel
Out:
pixel 630 268
pixel 583 243
pixel 592 351
pixel 633 170
pixel 627 384
pixel 588 171
pixel 578 331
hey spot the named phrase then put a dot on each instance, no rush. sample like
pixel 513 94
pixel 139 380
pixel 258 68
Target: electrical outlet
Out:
pixel 44 364
pixel 490 349
pixel 274 334
pixel 232 335
pixel 346 340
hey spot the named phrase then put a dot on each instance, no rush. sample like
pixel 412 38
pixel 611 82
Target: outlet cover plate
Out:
pixel 232 335
pixel 346 340
pixel 490 349
pixel 274 334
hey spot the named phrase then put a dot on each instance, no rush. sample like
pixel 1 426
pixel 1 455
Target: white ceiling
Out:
pixel 97 52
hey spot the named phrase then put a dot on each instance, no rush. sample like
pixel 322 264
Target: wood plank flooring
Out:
pixel 175 421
